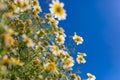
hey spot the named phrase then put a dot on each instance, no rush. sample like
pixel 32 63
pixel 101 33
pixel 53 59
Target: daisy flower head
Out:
pixel 55 50
pixel 77 39
pixel 80 59
pixel 68 62
pixel 91 77
pixel 60 39
pixel 28 41
pixel 56 8
pixel 8 40
pixel 16 62
pixel 51 67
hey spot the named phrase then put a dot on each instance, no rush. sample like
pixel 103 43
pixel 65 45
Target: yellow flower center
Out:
pixel 59 39
pixel 50 67
pixel 78 39
pixel 58 9
pixel 68 62
pixel 80 59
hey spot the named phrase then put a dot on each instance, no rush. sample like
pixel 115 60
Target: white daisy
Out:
pixel 91 77
pixel 77 39
pixel 56 8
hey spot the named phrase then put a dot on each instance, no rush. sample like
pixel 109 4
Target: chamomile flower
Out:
pixel 16 62
pixel 60 39
pixel 8 40
pixel 55 50
pixel 68 62
pixel 56 8
pixel 77 39
pixel 28 41
pixel 21 5
pixel 63 53
pixel 50 67
pixel 6 59
pixel 80 59
pixel 91 77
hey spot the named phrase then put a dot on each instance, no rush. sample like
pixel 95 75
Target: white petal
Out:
pixel 50 5
pixel 51 10
pixel 62 4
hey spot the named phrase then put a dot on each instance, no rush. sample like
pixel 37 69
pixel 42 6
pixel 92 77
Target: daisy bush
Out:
pixel 32 47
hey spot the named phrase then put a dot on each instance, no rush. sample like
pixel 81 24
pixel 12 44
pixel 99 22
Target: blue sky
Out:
pixel 98 22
